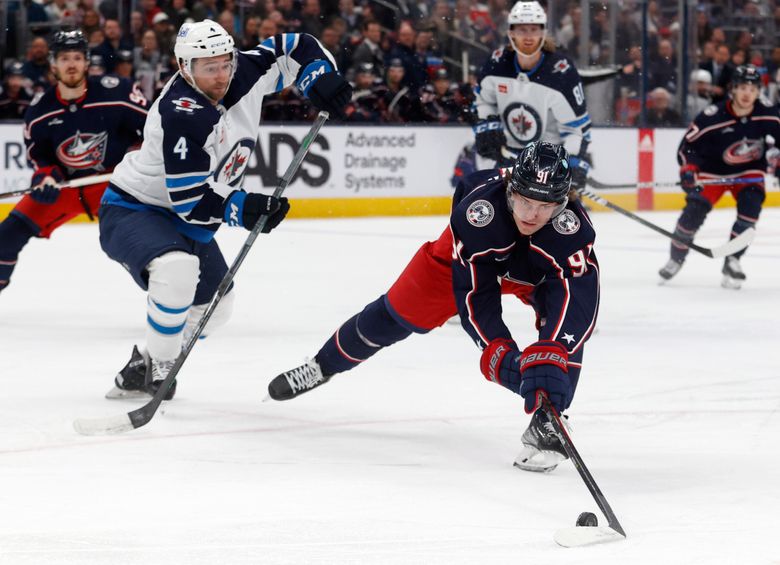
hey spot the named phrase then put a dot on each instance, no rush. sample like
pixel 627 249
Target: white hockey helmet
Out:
pixel 201 39
pixel 525 12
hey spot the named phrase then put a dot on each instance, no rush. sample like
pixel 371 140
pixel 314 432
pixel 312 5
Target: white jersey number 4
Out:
pixel 181 148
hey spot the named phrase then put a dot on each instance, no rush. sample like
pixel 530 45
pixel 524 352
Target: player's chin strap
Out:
pixel 520 53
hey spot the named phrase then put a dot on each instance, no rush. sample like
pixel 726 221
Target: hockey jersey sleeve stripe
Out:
pixel 125 104
pixel 187 206
pixel 185 181
pixel 585 119
pixel 696 133
pixel 165 330
pixel 470 307
pixel 38 119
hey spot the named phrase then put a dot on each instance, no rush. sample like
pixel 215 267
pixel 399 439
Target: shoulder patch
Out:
pixel 561 66
pixel 480 213
pixel 109 82
pixel 566 223
pixel 185 104
pixel 710 110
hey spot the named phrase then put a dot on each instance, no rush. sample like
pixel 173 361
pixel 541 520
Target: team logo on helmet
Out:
pixel 480 213
pixel 83 150
pixel 566 223
pixel 743 151
pixel 231 169
pixel 523 123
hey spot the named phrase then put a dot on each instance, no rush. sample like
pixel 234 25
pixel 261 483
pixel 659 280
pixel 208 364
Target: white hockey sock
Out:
pixel 173 278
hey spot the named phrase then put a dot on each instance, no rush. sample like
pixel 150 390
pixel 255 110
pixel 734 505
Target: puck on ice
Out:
pixel 587 519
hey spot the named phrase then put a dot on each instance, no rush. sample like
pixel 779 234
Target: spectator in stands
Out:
pixel 166 35
pixel 312 17
pixel 97 66
pixel 400 104
pixel 250 37
pixel 137 27
pixel 204 10
pixel 707 53
pixel 292 18
pixel 267 28
pixel 369 50
pixel 660 113
pixel 738 57
pixel 353 19
pixel 442 18
pixel 149 9
pixel 438 99
pixel 699 92
pixel 95 38
pixel 15 97
pixel 414 71
pixel 123 67
pixel 90 21
pixel 367 96
pixel 63 12
pixel 331 40
pixel 663 68
pixel 703 27
pixel 112 43
pixel 718 37
pixel 148 64
pixel 721 70
pixel 626 34
pixel 36 68
pixel 426 52
pixel 178 13
pixel 744 41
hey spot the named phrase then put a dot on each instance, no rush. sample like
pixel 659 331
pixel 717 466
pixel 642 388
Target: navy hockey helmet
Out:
pixel 746 74
pixel 69 41
pixel 542 172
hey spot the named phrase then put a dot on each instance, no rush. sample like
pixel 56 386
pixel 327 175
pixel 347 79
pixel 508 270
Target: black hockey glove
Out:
pixel 489 137
pixel 331 92
pixel 256 205
pixel 579 172
pixel 688 178
pixel 44 185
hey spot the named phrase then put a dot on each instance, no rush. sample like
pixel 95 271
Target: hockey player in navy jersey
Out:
pixel 727 139
pixel 511 231
pixel 527 92
pixel 80 127
pixel 165 202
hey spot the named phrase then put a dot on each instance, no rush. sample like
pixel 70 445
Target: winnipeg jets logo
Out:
pixel 561 66
pixel 233 165
pixel 566 223
pixel 523 123
pixel 743 151
pixel 185 104
pixel 83 150
pixel 480 213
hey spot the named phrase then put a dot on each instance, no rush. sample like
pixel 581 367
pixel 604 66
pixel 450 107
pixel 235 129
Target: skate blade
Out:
pixel 535 461
pixel 581 536
pixel 731 283
pixel 119 394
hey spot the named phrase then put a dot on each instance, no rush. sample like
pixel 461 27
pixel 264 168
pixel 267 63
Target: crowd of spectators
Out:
pixel 405 57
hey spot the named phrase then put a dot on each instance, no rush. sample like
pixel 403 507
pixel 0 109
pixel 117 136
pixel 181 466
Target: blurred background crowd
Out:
pixel 418 60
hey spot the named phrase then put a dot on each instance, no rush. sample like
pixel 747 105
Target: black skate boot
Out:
pixel 733 275
pixel 542 450
pixel 297 381
pixel 671 268
pixel 130 382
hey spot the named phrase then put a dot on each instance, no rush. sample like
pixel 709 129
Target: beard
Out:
pixel 72 81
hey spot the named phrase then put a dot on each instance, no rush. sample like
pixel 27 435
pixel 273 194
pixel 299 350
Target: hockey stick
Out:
pixel 75 183
pixel 144 414
pixel 669 184
pixel 729 248
pixel 581 535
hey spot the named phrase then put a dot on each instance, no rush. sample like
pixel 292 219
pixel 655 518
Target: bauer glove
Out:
pixel 544 366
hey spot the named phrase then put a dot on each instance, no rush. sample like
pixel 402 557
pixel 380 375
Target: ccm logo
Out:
pixel 233 215
pixel 307 80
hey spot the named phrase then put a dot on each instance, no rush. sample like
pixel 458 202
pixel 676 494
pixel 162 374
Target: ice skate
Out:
pixel 542 450
pixel 160 370
pixel 733 275
pixel 669 270
pixel 137 378
pixel 297 381
pixel 130 382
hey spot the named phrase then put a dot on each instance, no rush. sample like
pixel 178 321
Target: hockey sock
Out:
pixel 173 278
pixel 359 338
pixel 749 203
pixel 691 219
pixel 14 235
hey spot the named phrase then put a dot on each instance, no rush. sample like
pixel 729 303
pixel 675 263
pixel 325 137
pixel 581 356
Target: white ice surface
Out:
pixel 407 459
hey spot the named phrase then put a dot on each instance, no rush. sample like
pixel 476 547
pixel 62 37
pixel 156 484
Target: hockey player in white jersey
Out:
pixel 165 202
pixel 527 92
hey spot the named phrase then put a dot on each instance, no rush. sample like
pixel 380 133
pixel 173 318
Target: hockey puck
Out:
pixel 587 519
